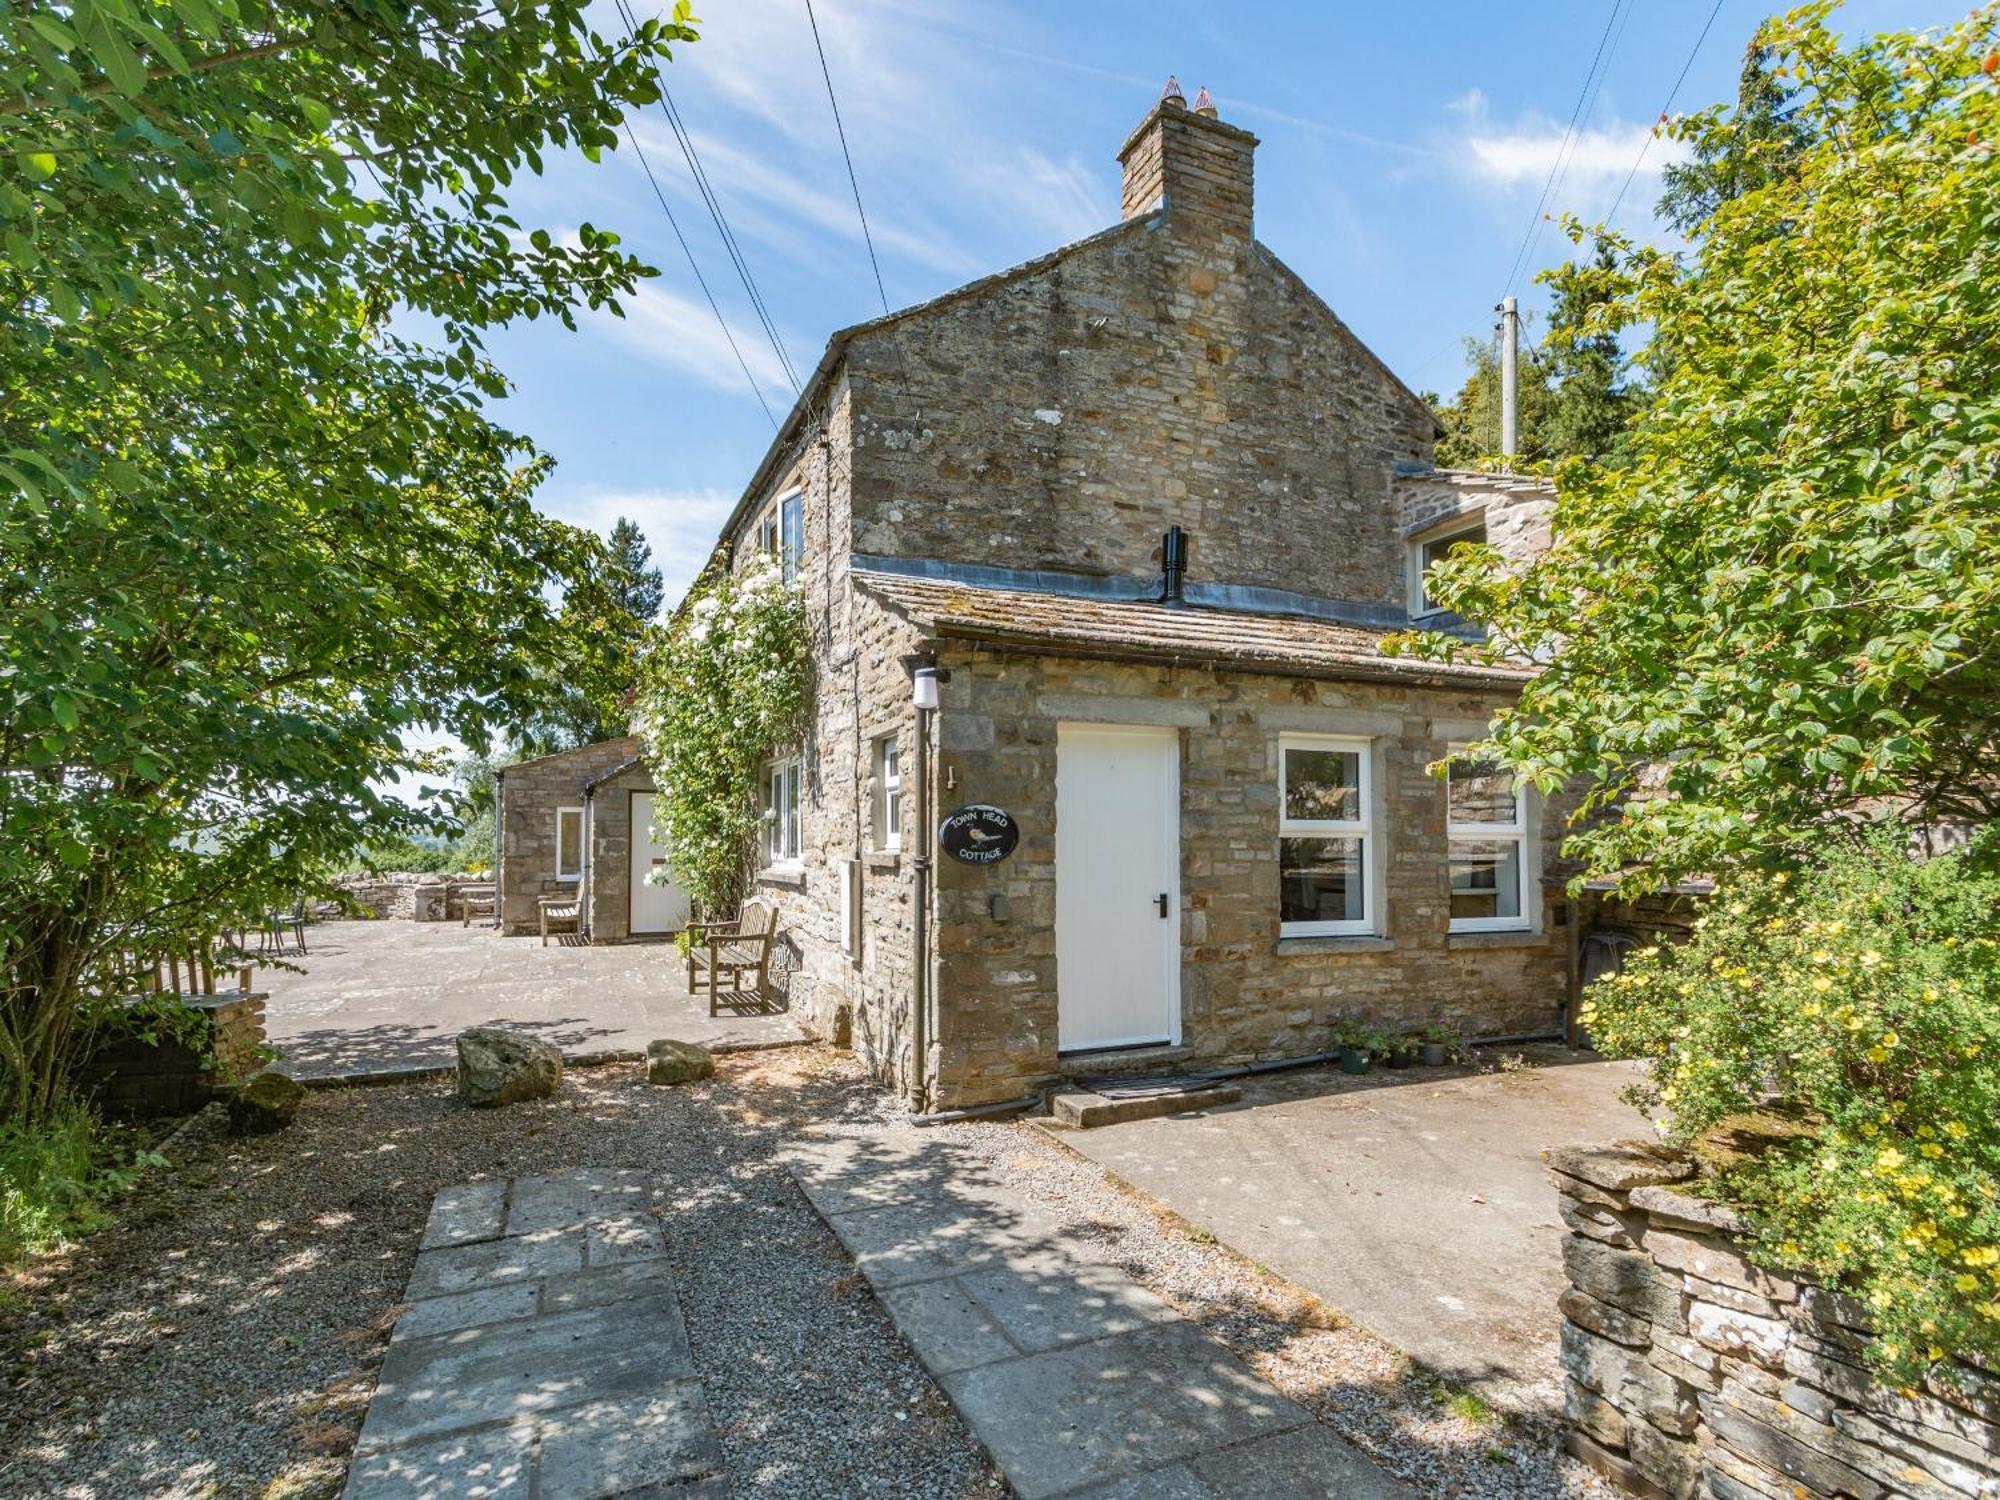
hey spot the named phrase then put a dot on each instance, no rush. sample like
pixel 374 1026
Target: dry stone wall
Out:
pixel 1690 1371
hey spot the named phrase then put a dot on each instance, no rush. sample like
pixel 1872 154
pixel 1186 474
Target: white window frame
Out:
pixel 576 873
pixel 1456 528
pixel 767 531
pixel 888 809
pixel 1517 833
pixel 791 533
pixel 1362 828
pixel 784 828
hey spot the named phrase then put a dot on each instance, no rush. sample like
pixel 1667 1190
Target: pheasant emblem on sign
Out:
pixel 979 834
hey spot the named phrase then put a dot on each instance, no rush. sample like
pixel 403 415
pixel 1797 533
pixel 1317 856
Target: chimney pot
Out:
pixel 1204 102
pixel 1172 94
pixel 1192 164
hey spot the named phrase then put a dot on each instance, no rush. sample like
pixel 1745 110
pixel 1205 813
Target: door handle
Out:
pixel 1162 899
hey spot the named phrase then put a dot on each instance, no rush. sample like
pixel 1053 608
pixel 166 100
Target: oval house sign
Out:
pixel 978 834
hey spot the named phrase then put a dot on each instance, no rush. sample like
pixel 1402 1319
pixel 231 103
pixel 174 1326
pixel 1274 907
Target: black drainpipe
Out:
pixel 1173 565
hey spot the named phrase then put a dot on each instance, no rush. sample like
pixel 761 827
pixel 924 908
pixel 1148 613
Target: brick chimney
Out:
pixel 1192 162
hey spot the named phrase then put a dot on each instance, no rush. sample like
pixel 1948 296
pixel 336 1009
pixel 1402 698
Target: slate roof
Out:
pixel 1141 630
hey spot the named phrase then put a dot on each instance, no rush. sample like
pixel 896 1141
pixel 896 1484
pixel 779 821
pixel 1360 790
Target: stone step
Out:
pixel 1087 1111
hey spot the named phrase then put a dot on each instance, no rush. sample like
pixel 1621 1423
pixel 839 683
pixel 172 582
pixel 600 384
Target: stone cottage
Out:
pixel 579 824
pixel 1136 518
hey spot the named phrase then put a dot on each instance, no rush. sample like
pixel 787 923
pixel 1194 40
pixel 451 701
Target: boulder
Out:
pixel 670 1062
pixel 264 1104
pixel 504 1067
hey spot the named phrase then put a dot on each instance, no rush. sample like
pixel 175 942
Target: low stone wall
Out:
pixel 1689 1371
pixel 407 896
pixel 132 1078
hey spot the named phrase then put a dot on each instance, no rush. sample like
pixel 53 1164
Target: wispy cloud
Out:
pixel 680 525
pixel 680 333
pixel 1590 165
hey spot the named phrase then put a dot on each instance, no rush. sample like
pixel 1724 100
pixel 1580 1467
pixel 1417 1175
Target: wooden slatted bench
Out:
pixel 733 948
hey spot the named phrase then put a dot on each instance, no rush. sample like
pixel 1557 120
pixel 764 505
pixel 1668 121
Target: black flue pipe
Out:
pixel 1173 564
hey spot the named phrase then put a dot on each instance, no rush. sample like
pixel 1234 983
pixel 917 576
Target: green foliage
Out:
pixel 1781 611
pixel 1756 143
pixel 1864 996
pixel 608 616
pixel 253 533
pixel 729 685
pixel 1574 396
pixel 56 1176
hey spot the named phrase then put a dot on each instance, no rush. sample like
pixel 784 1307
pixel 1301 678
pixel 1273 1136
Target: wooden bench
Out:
pixel 478 899
pixel 735 948
pixel 565 911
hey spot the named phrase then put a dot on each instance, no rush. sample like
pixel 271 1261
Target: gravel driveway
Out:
pixel 222 1340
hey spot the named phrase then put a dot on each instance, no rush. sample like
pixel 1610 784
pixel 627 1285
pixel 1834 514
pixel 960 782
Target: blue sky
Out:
pixel 1403 149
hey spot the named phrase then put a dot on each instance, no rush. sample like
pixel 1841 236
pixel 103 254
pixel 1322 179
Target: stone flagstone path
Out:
pixel 1078 1380
pixel 540 1355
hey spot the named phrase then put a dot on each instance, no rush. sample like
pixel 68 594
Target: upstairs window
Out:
pixel 791 534
pixel 888 793
pixel 1486 825
pixel 1326 850
pixel 1426 552
pixel 781 813
pixel 569 843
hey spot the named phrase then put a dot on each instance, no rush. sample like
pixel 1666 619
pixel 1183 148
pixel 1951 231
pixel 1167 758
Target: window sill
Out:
pixel 792 877
pixel 890 860
pixel 1519 937
pixel 1359 943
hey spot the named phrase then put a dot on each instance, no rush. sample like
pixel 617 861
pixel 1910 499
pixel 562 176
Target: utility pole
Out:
pixel 1510 375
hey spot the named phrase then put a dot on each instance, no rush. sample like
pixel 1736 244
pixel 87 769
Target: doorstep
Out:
pixel 1117 1103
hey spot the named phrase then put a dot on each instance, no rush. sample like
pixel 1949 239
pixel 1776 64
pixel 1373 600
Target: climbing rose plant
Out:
pixel 1858 1004
pixel 727 687
pixel 1783 608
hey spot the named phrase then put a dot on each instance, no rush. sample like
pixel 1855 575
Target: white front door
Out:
pixel 655 908
pixel 1118 886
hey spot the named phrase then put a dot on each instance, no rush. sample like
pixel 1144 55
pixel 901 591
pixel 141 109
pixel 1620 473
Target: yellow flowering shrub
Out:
pixel 1862 995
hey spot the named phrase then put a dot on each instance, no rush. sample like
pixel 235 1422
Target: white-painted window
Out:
pixel 1491 863
pixel 1326 844
pixel 767 531
pixel 888 811
pixel 781 813
pixel 569 843
pixel 1427 551
pixel 791 534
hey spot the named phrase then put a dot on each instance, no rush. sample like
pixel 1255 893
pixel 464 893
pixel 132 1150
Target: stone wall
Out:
pixel 1518 509
pixel 1247 992
pixel 132 1078
pixel 1170 371
pixel 1689 1371
pixel 610 886
pixel 531 792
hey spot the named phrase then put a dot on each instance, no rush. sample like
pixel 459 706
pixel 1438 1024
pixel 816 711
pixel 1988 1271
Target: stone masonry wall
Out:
pixel 1171 371
pixel 609 889
pixel 531 792
pixel 1246 992
pixel 1518 510
pixel 1689 1371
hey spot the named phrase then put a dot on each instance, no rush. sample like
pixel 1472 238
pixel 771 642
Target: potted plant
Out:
pixel 1356 1041
pixel 1401 1051
pixel 1434 1044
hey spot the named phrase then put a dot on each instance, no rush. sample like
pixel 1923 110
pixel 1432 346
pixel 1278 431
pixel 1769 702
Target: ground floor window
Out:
pixel 781 813
pixel 1487 825
pixel 569 843
pixel 888 812
pixel 1325 836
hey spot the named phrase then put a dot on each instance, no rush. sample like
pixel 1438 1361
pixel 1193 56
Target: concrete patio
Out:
pixel 388 997
pixel 1414 1202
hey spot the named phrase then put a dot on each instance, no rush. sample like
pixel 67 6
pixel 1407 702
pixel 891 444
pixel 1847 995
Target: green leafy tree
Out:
pixel 636 582
pixel 254 532
pixel 608 616
pixel 1734 151
pixel 1471 419
pixel 1781 616
pixel 729 684
pixel 1591 400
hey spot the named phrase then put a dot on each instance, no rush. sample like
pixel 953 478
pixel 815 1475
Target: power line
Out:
pixel 1548 185
pixel 755 389
pixel 841 130
pixel 716 215
pixel 1665 109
